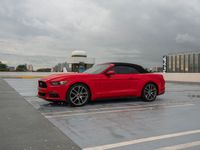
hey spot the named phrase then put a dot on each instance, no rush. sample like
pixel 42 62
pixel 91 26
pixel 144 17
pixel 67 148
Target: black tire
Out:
pixel 78 95
pixel 149 92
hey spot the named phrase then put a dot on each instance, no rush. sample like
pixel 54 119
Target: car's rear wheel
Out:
pixel 78 95
pixel 149 92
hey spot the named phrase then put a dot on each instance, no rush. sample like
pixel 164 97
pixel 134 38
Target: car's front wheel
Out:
pixel 149 92
pixel 78 95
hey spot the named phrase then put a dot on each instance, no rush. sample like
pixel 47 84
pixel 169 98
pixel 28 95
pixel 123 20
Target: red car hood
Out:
pixel 61 76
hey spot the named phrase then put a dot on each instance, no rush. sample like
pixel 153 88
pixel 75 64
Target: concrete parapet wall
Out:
pixel 174 77
pixel 25 74
pixel 182 77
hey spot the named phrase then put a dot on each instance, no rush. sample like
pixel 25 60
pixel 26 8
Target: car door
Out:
pixel 117 85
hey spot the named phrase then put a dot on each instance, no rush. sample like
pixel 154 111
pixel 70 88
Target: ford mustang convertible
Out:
pixel 103 81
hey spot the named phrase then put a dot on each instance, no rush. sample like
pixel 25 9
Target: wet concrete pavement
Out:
pixel 23 128
pixel 118 124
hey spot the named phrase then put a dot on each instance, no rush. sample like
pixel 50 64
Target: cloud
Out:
pixel 38 61
pixel 115 30
pixel 182 38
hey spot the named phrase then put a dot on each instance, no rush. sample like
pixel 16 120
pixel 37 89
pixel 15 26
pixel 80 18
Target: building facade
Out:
pixel 30 67
pixel 79 62
pixel 188 62
pixel 61 67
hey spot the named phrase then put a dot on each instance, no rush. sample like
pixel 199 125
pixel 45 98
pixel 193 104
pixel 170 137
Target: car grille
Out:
pixel 42 84
pixel 53 95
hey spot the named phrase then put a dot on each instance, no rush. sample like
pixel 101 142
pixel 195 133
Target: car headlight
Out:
pixel 56 83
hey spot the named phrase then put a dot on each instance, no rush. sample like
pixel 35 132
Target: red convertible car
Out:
pixel 109 80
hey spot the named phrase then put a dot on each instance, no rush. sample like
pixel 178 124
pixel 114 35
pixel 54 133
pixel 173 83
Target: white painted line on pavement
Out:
pixel 113 111
pixel 142 140
pixel 103 108
pixel 109 108
pixel 181 146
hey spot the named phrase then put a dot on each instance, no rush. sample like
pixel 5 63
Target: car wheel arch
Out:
pixel 149 82
pixel 82 84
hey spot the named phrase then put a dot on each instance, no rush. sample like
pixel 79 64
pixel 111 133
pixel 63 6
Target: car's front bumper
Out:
pixel 52 93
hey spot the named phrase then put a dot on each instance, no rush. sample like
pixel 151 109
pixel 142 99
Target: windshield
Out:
pixel 97 69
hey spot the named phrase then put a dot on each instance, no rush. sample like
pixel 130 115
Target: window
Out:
pixel 182 63
pixel 196 62
pixel 177 63
pixel 97 69
pixel 186 63
pixel 169 64
pixel 191 64
pixel 173 63
pixel 199 63
pixel 124 70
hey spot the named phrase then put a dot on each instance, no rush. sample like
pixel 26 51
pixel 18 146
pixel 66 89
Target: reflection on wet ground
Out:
pixel 112 121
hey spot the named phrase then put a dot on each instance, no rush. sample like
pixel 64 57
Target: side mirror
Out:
pixel 109 73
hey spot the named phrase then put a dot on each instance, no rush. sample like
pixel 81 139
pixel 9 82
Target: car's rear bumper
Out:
pixel 162 91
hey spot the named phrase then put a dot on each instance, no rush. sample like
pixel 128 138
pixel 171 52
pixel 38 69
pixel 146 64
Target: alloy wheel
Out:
pixel 78 95
pixel 150 92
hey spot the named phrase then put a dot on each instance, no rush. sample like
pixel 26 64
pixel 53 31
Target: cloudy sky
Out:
pixel 45 32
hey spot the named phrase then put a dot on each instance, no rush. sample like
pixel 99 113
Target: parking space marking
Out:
pixel 33 100
pixel 181 146
pixel 127 109
pixel 142 140
pixel 95 109
pixel 183 90
pixel 111 108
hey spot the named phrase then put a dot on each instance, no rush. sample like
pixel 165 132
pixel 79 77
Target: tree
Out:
pixel 3 67
pixel 21 68
pixel 44 70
